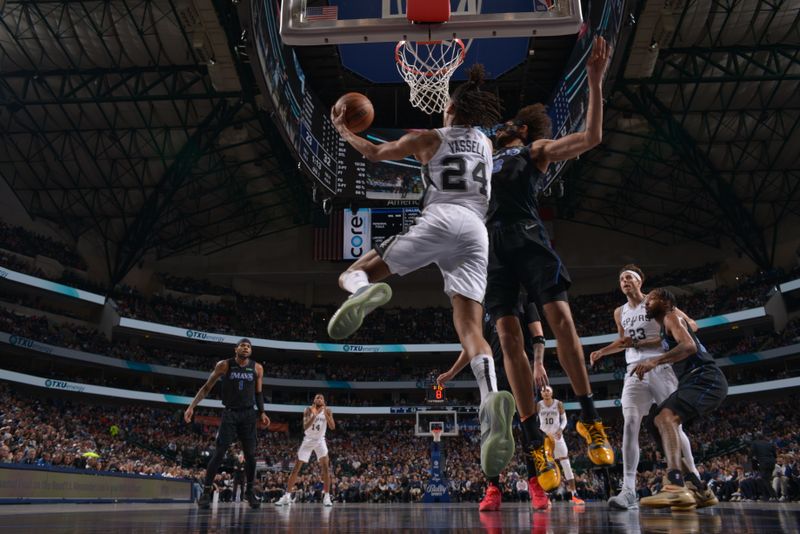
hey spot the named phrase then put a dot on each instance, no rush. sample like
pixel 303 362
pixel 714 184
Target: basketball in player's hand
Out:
pixel 358 111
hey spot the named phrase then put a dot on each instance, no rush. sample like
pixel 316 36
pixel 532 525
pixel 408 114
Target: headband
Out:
pixel 633 273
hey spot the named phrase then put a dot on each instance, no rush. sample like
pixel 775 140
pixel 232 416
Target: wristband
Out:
pixel 538 340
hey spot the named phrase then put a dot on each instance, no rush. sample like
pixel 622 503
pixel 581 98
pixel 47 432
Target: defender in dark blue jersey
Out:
pixel 701 389
pixel 520 255
pixel 241 396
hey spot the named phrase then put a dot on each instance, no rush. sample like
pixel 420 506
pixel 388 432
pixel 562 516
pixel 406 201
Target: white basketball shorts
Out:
pixel 451 236
pixel 654 387
pixel 317 446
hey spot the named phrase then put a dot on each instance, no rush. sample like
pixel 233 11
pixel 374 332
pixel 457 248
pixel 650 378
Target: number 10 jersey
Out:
pixel 460 172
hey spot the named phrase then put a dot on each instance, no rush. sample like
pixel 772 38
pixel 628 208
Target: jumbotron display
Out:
pixel 306 124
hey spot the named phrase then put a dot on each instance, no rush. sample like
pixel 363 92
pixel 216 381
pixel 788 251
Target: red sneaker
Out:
pixel 491 501
pixel 539 499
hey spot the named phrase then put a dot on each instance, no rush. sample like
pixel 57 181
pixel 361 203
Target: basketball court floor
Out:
pixel 514 517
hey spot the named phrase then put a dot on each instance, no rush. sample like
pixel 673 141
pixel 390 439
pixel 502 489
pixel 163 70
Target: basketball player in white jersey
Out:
pixel 450 232
pixel 640 337
pixel 317 418
pixel 552 422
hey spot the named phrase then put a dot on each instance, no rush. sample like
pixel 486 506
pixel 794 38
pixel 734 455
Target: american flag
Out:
pixel 328 236
pixel 322 12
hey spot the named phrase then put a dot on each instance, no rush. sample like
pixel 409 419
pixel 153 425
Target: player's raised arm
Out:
pixel 422 145
pixel 219 370
pixel 546 151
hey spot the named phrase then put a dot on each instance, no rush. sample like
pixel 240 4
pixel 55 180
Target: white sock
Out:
pixel 483 369
pixel 686 451
pixel 630 451
pixel 567 468
pixel 352 281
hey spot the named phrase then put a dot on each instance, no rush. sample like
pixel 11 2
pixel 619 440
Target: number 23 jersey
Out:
pixel 460 172
pixel 637 326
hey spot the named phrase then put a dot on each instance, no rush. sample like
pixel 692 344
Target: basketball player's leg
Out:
pixel 246 430
pixel 225 436
pixel 561 454
pixel 321 450
pixel 636 402
pixel 464 273
pixel 400 254
pixel 571 357
pixel 303 456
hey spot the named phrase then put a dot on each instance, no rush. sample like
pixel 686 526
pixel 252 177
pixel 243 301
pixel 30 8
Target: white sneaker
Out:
pixel 624 500
pixel 286 500
pixel 326 500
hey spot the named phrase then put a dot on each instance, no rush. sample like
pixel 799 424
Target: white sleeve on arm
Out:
pixel 562 420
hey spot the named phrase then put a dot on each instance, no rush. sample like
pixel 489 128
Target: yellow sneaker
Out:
pixel 703 498
pixel 600 451
pixel 678 498
pixel 547 474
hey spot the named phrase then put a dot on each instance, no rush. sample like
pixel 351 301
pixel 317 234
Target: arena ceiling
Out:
pixel 140 120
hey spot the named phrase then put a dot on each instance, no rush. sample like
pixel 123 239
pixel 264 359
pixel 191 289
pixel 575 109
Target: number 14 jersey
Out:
pixel 460 172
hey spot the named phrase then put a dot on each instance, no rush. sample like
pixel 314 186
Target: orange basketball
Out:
pixel 358 113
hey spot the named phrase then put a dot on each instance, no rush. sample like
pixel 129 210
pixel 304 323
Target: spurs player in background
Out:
pixel 639 337
pixel 317 418
pixel 521 255
pixel 450 232
pixel 552 422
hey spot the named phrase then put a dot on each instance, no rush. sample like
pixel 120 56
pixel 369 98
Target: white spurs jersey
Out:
pixel 549 417
pixel 636 325
pixel 461 170
pixel 318 427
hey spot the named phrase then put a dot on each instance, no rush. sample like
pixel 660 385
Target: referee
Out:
pixel 241 390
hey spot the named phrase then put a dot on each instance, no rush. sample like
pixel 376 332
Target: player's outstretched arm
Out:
pixel 546 151
pixel 459 364
pixel 219 370
pixel 616 345
pixel 422 145
pixel 685 347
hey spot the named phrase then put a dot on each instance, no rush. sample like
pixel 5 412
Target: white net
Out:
pixel 427 67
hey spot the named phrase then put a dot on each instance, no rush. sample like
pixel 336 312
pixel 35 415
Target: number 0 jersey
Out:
pixel 461 170
pixel 318 427
pixel 637 326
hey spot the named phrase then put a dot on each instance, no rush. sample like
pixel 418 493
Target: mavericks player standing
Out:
pixel 317 418
pixel 241 391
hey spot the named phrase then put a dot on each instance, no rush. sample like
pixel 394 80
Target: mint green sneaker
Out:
pixel 497 438
pixel 351 313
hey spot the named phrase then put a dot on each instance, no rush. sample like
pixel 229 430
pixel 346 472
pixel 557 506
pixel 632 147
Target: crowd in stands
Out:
pixel 292 321
pixel 374 459
pixel 39 328
pixel 22 241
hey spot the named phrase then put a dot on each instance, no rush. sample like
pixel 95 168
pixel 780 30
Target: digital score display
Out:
pixel 387 222
pixel 436 394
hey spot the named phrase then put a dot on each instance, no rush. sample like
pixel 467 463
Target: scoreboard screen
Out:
pixel 305 122
pixel 436 394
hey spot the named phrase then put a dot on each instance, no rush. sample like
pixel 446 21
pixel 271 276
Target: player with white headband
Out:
pixel 640 338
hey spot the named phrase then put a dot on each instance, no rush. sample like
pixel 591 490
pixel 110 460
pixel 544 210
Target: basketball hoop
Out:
pixel 427 67
pixel 437 435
